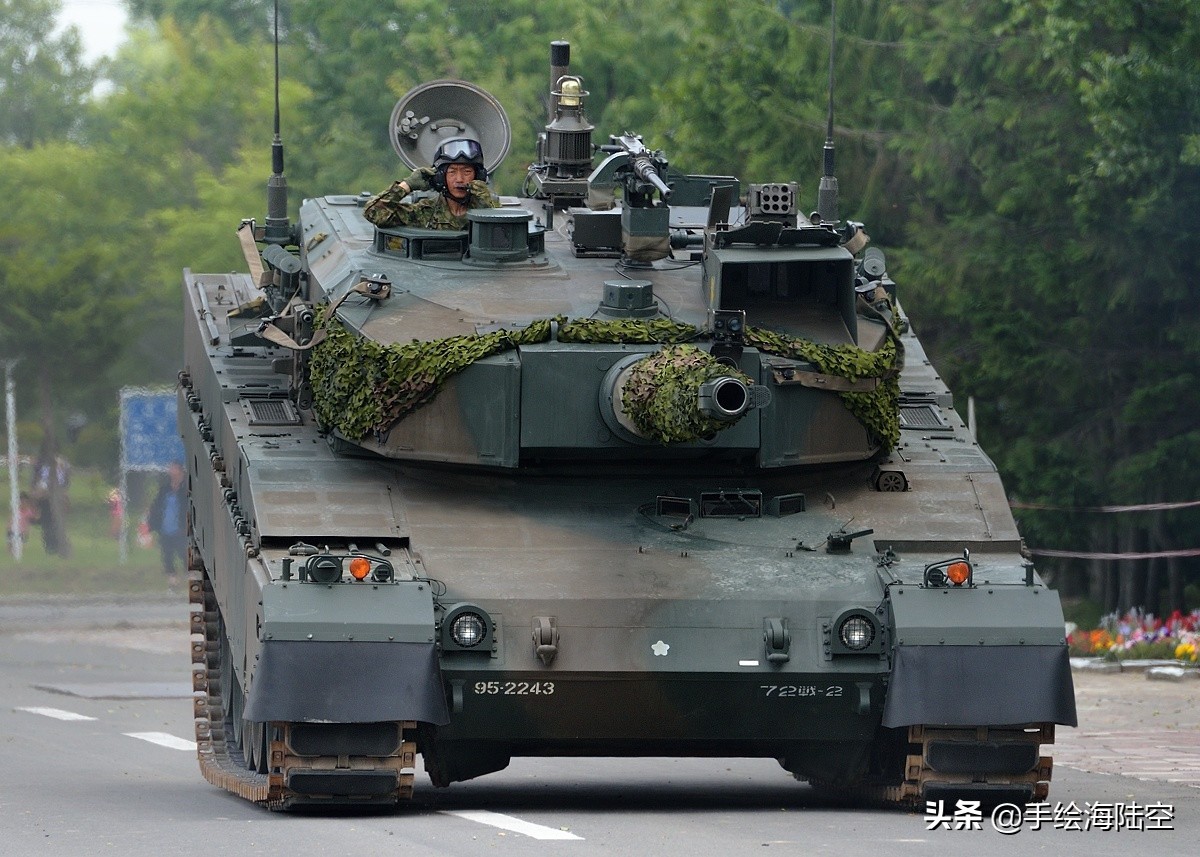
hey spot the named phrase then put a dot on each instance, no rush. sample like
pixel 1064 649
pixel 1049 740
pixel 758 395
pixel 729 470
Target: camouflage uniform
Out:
pixel 386 209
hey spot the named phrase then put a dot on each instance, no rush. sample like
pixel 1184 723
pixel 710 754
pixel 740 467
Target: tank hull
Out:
pixel 614 626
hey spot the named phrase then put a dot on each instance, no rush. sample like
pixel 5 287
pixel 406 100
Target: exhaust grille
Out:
pixel 271 412
pixel 923 416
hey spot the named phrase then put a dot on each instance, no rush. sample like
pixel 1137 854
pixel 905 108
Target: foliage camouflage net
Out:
pixel 878 410
pixel 362 387
pixel 660 394
pixel 595 330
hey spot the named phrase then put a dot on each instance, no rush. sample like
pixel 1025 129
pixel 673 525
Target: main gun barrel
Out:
pixel 676 395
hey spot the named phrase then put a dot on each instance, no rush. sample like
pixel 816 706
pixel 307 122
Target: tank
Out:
pixel 640 463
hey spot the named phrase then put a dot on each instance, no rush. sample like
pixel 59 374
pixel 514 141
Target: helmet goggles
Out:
pixel 459 150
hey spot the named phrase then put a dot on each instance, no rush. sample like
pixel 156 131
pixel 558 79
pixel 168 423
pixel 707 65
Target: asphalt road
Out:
pixel 120 776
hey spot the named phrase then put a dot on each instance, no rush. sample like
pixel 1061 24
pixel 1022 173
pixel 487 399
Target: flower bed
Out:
pixel 1140 636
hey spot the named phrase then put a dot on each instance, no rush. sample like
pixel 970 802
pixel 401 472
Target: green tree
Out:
pixel 97 232
pixel 1057 252
pixel 758 106
pixel 188 123
pixel 44 81
pixel 67 303
pixel 247 20
pixel 359 57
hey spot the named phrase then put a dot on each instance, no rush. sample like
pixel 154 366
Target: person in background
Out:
pixel 167 517
pixel 116 510
pixel 458 173
pixel 27 514
pixel 49 492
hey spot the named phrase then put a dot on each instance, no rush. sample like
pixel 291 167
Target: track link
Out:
pixel 221 755
pixel 922 780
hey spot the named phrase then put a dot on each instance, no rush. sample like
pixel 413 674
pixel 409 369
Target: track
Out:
pixel 991 765
pixel 255 760
pixel 930 775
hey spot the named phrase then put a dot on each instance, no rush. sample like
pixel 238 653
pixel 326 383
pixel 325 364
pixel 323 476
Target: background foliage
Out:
pixel 1031 166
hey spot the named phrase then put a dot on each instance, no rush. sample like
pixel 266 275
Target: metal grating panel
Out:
pixel 922 416
pixel 271 412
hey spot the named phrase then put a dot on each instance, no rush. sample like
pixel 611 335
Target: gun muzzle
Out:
pixel 644 167
pixel 723 398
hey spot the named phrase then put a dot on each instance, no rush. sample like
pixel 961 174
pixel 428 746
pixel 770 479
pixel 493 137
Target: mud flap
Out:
pixel 980 686
pixel 347 682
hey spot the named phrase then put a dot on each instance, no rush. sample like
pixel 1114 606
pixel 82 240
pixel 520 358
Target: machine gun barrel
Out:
pixel 644 167
pixel 641 159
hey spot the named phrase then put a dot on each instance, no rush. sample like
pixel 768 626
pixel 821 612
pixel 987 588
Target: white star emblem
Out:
pixel 660 649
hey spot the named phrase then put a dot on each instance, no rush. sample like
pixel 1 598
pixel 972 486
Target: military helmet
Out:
pixel 460 150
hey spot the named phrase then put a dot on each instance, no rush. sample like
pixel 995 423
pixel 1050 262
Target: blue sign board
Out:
pixel 149 430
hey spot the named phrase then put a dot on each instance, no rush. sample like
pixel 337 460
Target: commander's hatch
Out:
pixel 432 113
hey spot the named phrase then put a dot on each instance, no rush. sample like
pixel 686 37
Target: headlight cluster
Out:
pixel 332 568
pixel 951 572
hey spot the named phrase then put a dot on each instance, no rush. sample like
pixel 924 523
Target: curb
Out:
pixel 1162 670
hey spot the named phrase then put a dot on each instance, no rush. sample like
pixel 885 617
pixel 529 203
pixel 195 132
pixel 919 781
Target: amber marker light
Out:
pixel 957 573
pixel 360 567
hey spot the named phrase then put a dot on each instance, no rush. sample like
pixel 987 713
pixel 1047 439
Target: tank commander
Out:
pixel 458 173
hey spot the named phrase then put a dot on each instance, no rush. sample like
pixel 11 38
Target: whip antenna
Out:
pixel 278 229
pixel 827 191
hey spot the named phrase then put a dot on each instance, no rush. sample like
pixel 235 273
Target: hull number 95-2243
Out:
pixel 514 688
pixel 796 691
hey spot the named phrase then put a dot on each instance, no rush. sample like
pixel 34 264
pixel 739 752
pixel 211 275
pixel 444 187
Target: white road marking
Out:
pixel 164 739
pixel 57 713
pixel 493 819
pixel 516 825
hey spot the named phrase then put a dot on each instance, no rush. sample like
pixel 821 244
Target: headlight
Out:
pixel 324 569
pixel 468 630
pixel 467 627
pixel 857 632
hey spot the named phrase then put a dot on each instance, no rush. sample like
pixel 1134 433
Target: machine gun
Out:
pixel 639 172
pixel 642 170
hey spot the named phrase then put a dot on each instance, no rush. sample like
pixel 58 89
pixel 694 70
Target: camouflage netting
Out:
pixel 628 330
pixel 363 387
pixel 878 410
pixel 660 394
